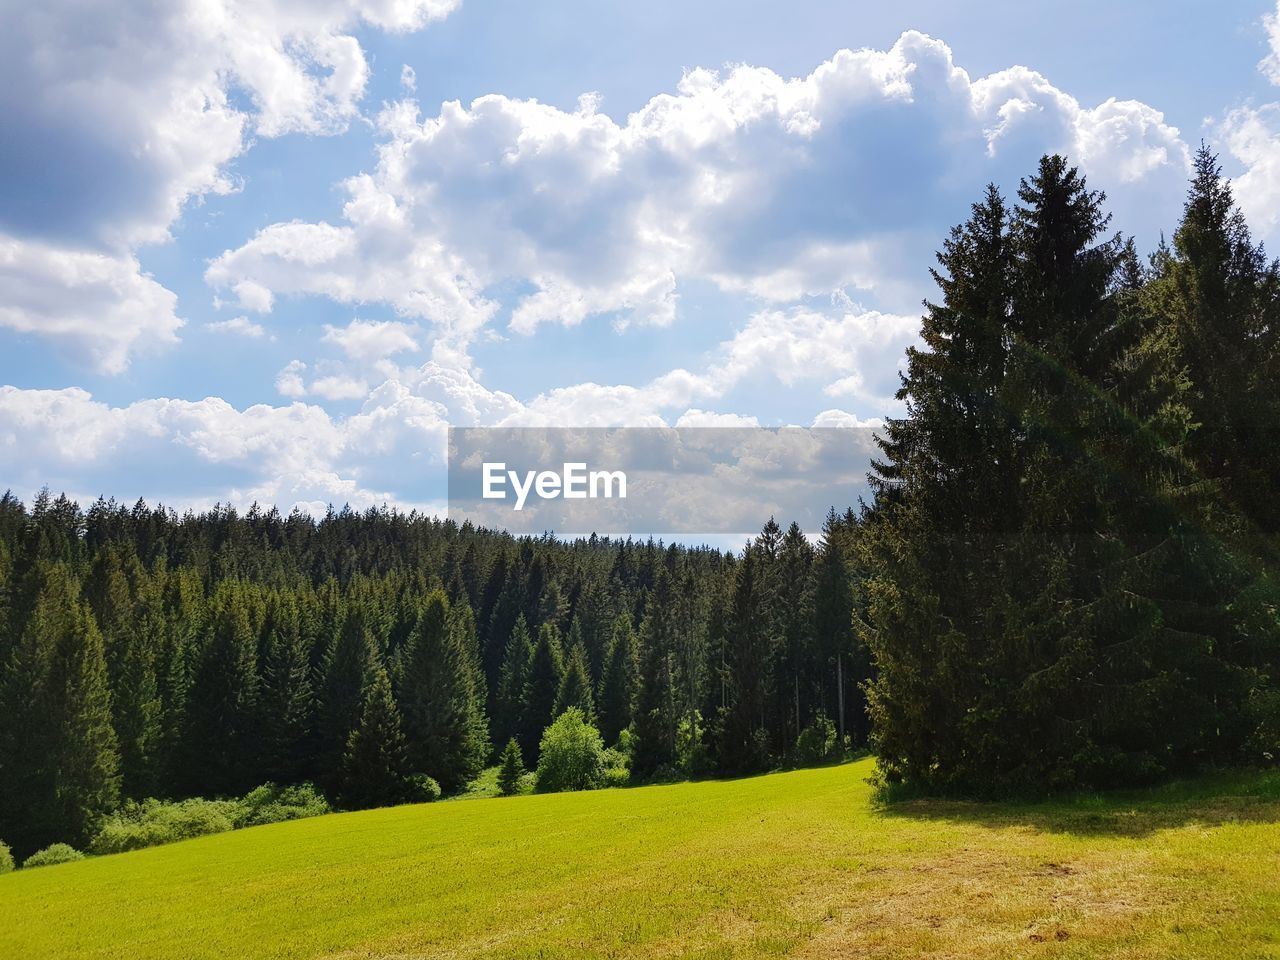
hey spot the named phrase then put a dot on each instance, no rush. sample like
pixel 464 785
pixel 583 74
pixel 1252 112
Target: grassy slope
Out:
pixel 801 864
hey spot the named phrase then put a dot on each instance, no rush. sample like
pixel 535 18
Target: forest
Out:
pixel 1065 579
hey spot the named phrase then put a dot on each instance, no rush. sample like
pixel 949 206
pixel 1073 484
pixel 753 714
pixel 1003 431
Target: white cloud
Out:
pixel 1270 66
pixel 408 78
pixel 366 341
pixel 101 306
pixel 1252 136
pixel 289 455
pixel 780 188
pixel 289 381
pixel 126 112
pixel 241 326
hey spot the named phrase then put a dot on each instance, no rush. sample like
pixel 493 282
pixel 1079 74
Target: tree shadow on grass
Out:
pixel 1212 800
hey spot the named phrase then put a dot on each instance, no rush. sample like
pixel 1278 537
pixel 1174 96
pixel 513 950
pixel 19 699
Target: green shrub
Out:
pixel 423 789
pixel 148 823
pixel 54 853
pixel 817 743
pixel 571 754
pixel 6 858
pixel 272 804
pixel 615 768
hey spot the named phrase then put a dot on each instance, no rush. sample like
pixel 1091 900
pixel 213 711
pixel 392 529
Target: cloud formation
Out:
pixel 779 188
pixel 118 115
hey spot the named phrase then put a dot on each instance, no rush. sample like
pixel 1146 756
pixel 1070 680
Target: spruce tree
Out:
pixel 575 685
pixel 617 685
pixel 655 719
pixel 83 752
pixel 443 714
pixel 541 686
pixel 347 669
pixel 221 735
pixel 511 769
pixel 509 702
pixel 375 765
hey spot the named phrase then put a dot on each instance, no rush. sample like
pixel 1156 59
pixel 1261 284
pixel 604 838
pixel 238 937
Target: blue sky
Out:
pixel 271 250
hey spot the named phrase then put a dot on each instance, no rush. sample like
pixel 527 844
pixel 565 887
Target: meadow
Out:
pixel 802 864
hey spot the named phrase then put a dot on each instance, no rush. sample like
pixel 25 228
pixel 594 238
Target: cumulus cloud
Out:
pixel 99 305
pixel 1252 136
pixel 367 341
pixel 779 188
pixel 288 455
pixel 184 86
pixel 1270 65
pixel 241 326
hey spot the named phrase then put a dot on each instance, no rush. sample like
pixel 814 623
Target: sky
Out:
pixel 269 250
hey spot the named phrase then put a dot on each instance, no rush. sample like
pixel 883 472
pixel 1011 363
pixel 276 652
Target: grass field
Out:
pixel 801 864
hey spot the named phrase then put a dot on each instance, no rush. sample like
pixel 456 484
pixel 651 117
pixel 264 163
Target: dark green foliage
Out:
pixel 375 767
pixel 575 685
pixel 443 711
pixel 509 703
pixel 511 769
pixel 541 687
pixel 617 685
pixel 571 754
pixel 1046 607
pixel 347 670
pixel 655 717
pixel 221 737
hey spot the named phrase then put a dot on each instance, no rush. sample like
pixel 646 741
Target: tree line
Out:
pixel 387 657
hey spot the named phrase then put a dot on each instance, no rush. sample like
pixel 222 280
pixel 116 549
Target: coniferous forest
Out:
pixel 1066 578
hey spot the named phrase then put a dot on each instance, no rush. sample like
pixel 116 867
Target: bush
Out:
pixel 54 853
pixel 818 743
pixel 423 789
pixel 6 858
pixel 152 822
pixel 272 804
pixel 571 754
pixel 615 768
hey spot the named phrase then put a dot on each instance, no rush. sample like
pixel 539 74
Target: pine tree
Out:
pixel 58 755
pixel 443 714
pixel 575 685
pixel 1222 300
pixel 541 685
pixel 347 670
pixel 510 692
pixel 511 769
pixel 617 685
pixel 84 752
pixel 288 699
pixel 743 741
pixel 654 713
pixel 220 739
pixel 375 767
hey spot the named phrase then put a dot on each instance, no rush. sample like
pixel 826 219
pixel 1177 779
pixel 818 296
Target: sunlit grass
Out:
pixel 791 864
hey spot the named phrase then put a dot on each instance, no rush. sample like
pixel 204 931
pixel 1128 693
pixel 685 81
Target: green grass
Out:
pixel 799 864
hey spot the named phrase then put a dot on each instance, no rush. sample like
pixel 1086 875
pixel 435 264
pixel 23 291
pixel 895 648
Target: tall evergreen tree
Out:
pixel 443 713
pixel 375 764
pixel 221 735
pixel 510 692
pixel 575 685
pixel 541 686
pixel 617 685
